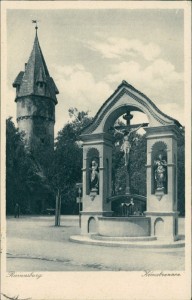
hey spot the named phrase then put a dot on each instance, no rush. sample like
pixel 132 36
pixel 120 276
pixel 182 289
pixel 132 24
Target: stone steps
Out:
pixel 87 239
pixel 123 238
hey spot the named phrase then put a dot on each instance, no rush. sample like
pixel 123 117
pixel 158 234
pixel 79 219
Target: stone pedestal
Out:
pixel 164 226
pixel 162 201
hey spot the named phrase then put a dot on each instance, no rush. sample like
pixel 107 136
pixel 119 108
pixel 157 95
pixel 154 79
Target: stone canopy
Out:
pixel 162 132
pixel 126 97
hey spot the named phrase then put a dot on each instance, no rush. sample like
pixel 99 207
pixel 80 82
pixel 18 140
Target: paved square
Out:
pixel 35 244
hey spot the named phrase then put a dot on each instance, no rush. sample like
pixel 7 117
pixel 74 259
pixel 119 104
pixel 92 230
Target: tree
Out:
pixel 22 178
pixel 35 174
pixel 67 162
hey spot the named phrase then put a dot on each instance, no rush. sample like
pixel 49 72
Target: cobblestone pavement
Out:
pixel 35 244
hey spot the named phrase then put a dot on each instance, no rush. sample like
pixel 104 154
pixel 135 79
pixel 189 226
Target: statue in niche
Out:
pixel 160 172
pixel 94 176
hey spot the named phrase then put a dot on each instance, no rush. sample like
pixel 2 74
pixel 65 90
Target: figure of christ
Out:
pixel 126 145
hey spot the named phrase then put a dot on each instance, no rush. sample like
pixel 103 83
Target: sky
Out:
pixel 89 52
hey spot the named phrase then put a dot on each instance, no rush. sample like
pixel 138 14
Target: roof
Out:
pixel 36 71
pixel 123 87
pixel 18 79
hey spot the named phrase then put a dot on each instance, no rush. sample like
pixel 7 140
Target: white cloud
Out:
pixel 121 47
pixel 159 80
pixel 173 110
pixel 78 88
pixel 155 75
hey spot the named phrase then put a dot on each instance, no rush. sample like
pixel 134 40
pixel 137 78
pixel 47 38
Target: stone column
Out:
pixel 95 202
pixel 162 204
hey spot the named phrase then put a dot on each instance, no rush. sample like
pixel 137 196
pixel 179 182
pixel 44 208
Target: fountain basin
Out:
pixel 124 226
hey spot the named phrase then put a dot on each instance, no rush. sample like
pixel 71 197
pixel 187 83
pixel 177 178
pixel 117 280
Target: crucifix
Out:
pixel 126 131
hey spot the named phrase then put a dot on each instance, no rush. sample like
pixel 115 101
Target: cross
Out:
pixel 126 146
pixel 128 117
pixel 126 131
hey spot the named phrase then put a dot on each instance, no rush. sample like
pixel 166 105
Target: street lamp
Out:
pixel 78 199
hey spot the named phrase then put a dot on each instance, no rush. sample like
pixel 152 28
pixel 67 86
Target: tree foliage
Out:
pixel 22 177
pixel 67 162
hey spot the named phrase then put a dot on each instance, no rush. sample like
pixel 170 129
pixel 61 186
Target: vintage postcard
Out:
pixel 96 150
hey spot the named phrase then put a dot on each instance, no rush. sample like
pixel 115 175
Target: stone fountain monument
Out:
pixel 160 220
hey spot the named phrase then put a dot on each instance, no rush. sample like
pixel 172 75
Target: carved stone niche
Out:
pixel 93 173
pixel 159 169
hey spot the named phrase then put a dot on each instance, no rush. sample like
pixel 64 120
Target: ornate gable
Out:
pixel 124 97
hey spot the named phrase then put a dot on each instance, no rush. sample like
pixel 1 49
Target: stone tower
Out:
pixel 36 99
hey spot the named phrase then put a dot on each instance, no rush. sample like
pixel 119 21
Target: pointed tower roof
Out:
pixel 36 72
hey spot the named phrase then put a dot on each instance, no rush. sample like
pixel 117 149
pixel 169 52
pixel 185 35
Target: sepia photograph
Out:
pixel 96 150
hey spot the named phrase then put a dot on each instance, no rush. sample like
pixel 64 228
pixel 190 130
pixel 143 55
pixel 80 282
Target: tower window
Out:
pixel 40 84
pixel 42 140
